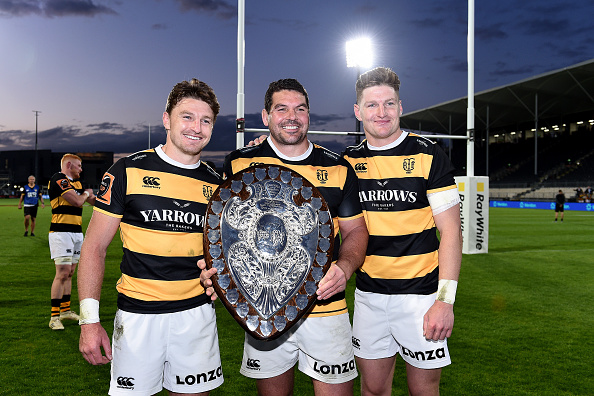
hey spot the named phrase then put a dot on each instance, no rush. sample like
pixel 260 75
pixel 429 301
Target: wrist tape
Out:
pixel 89 311
pixel 446 290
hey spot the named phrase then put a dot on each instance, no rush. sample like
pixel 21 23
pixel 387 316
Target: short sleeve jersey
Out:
pixel 65 217
pixel 332 176
pixel 395 181
pixel 161 204
pixel 31 195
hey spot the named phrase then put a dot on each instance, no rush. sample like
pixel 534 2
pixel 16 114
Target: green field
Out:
pixel 523 314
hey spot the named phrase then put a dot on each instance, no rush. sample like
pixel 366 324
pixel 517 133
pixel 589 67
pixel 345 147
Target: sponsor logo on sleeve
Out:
pixel 104 193
pixel 64 184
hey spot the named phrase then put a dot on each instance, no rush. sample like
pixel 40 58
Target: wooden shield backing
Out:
pixel 270 235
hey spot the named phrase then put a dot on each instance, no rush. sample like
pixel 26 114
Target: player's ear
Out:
pixel 166 121
pixel 356 109
pixel 265 117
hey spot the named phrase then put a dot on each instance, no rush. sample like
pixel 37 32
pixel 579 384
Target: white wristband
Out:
pixel 446 290
pixel 89 311
pixel 86 193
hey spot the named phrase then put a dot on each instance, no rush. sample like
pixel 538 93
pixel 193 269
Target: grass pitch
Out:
pixel 523 314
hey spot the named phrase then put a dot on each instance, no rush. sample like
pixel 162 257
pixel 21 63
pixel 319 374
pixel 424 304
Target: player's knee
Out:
pixel 372 388
pixel 63 268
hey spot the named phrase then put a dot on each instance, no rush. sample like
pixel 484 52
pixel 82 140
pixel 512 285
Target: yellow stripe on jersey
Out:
pixel 436 190
pixel 407 267
pixel 319 176
pixel 162 243
pixel 384 167
pixel 330 309
pixel 168 185
pixel 107 213
pixel 399 223
pixel 240 164
pixel 66 219
pixel 157 290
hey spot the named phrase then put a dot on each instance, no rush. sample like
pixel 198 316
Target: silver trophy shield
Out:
pixel 270 235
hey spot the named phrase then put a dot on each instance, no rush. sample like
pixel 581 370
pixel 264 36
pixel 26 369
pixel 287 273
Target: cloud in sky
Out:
pixel 100 70
pixel 220 8
pixel 118 138
pixel 53 8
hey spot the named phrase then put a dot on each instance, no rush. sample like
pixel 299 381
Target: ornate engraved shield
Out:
pixel 270 235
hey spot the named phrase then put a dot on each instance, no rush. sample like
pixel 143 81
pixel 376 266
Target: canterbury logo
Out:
pixel 150 181
pixel 322 175
pixel 408 165
pixel 253 364
pixel 125 381
pixel 361 167
pixel 256 163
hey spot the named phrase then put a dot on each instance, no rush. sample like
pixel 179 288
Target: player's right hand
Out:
pixel 93 337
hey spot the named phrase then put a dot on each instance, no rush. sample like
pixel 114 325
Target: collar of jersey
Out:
pixel 285 157
pixel 164 157
pixel 391 145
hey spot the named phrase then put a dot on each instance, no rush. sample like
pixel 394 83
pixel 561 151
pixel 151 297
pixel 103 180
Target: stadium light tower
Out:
pixel 359 54
pixel 36 160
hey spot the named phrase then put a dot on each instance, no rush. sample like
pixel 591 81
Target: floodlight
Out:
pixel 359 53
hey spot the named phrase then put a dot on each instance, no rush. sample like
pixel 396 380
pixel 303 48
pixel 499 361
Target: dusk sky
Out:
pixel 100 70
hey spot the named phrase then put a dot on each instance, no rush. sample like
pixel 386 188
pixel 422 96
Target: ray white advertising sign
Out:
pixel 474 213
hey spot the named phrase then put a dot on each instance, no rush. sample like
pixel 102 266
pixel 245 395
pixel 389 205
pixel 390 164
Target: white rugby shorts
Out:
pixel 321 345
pixel 177 351
pixel 387 324
pixel 65 244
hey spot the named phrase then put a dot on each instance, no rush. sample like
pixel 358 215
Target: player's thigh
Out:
pixel 372 335
pixel 139 347
pixel 63 244
pixel 422 381
pixel 326 349
pixel 407 327
pixel 268 359
pixel 193 359
pixel 376 375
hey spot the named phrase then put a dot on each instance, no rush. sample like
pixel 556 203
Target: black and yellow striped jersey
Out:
pixel 403 243
pixel 332 176
pixel 65 217
pixel 161 205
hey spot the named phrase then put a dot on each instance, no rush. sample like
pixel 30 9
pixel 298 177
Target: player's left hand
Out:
pixel 333 282
pixel 257 140
pixel 205 280
pixel 438 322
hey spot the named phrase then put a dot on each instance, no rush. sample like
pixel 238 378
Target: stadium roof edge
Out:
pixel 557 94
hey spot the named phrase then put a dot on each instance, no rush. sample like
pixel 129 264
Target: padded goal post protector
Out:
pixel 474 213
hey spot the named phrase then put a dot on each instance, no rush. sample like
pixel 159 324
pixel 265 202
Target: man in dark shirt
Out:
pixel 559 204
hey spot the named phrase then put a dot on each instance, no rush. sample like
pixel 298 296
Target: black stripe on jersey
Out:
pixel 403 245
pixel 409 194
pixel 60 227
pixel 133 305
pixel 337 297
pixel 153 212
pixel 145 266
pixel 331 194
pixel 68 209
pixel 423 285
